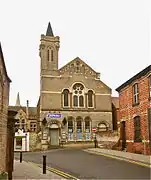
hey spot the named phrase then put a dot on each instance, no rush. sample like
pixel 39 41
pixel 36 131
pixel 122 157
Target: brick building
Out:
pixel 4 100
pixel 134 103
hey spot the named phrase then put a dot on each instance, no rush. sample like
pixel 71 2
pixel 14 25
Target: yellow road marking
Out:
pixel 114 157
pixel 61 173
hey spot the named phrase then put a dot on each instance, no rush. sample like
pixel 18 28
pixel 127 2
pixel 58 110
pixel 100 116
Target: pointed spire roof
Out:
pixel 18 100
pixel 49 30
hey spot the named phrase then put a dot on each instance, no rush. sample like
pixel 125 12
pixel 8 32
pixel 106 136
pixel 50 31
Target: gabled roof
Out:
pixel 77 59
pixel 137 76
pixel 32 110
pixel 17 108
pixel 3 63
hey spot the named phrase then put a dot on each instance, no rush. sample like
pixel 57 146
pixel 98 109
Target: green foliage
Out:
pixel 3 175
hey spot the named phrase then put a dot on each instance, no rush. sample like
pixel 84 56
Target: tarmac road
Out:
pixel 84 165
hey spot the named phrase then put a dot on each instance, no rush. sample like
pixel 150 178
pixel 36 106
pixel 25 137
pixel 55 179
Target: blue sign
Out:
pixel 54 115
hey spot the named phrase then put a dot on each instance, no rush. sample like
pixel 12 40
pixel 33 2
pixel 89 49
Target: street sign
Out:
pixel 94 129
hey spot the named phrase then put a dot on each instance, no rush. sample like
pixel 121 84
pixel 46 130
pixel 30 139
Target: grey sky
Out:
pixel 112 36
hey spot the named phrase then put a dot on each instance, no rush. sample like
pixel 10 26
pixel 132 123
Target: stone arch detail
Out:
pixel 103 126
pixel 50 123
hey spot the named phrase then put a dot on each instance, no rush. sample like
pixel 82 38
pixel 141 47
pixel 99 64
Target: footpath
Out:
pixel 30 171
pixel 130 157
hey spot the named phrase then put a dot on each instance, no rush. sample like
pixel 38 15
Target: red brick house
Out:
pixel 134 111
pixel 4 100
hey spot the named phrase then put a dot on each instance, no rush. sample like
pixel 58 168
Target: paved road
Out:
pixel 84 165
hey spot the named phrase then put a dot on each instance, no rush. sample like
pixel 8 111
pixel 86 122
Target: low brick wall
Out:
pixel 138 148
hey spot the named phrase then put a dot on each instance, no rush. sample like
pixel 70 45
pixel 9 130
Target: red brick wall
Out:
pixel 128 111
pixel 4 100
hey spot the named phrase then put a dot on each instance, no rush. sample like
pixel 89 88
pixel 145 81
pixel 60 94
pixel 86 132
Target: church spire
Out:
pixel 49 30
pixel 18 100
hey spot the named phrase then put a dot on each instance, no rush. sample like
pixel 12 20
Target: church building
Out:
pixel 73 99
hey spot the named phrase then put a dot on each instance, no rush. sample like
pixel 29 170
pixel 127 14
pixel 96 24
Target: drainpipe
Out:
pixel 144 145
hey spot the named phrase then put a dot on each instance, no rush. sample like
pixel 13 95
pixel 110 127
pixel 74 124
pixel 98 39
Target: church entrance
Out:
pixel 54 135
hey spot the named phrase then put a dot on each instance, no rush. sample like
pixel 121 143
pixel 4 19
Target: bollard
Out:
pixel 95 143
pixel 21 157
pixel 44 164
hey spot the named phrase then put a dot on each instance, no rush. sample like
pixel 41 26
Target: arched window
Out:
pixel 137 129
pixel 79 128
pixel 87 125
pixel 70 126
pixel 75 100
pixel 48 54
pixel 87 128
pixel 90 98
pixel 66 98
pixel 79 125
pixel 51 55
pixel 135 94
pixel 81 101
pixel 78 95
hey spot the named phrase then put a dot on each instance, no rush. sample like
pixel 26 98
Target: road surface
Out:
pixel 84 165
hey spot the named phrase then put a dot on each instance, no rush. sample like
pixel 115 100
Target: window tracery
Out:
pixel 78 95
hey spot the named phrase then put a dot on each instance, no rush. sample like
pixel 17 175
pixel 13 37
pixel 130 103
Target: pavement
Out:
pixel 140 159
pixel 26 170
pixel 75 163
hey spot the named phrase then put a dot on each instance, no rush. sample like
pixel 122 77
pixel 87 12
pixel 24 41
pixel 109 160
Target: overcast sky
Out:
pixel 112 36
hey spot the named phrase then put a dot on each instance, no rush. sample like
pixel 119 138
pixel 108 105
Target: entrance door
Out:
pixel 123 135
pixel 54 135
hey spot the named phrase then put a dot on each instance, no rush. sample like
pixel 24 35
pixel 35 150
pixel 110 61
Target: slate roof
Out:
pixel 3 63
pixel 137 76
pixel 49 30
pixel 32 110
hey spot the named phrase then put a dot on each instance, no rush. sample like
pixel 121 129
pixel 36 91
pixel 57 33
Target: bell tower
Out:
pixel 48 51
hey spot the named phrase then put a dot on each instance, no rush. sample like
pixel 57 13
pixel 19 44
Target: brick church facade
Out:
pixel 73 99
pixel 134 111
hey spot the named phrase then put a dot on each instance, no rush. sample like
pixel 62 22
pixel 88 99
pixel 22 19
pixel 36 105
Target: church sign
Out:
pixel 54 115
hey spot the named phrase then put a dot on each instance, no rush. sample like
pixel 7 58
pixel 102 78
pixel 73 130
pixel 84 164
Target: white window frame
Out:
pixel 135 93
